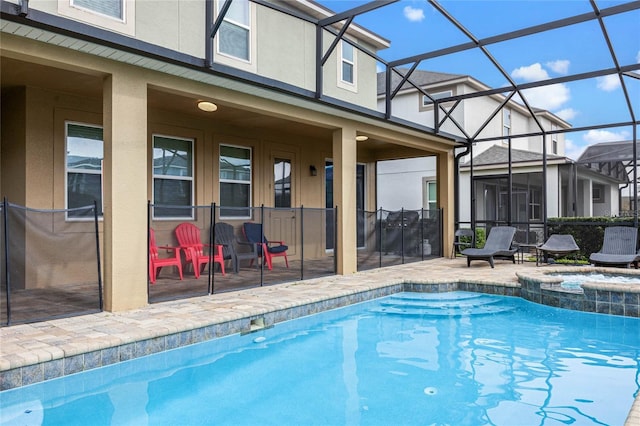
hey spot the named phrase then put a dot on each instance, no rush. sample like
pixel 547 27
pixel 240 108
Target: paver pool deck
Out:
pixel 33 351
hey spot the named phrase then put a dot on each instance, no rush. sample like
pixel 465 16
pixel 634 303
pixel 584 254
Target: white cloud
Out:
pixel 549 97
pixel 572 150
pixel 561 66
pixel 533 72
pixel 608 83
pixel 567 114
pixel 413 15
pixel 596 136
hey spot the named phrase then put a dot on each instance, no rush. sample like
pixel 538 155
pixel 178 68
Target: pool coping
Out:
pixel 247 310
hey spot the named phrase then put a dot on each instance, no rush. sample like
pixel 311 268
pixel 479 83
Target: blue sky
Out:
pixel 415 27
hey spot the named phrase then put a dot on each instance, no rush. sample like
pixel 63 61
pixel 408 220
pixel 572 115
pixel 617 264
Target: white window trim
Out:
pixel 426 181
pixel 353 87
pixel 171 177
pixel 233 61
pixel 426 102
pixel 125 26
pixel 244 182
pixel 506 125
pixel 87 171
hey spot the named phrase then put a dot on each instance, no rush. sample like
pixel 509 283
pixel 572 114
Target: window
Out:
pixel 111 8
pixel 235 181
pixel 597 193
pixel 172 177
pixel 554 139
pixel 506 122
pixel 432 196
pixel 84 155
pixel 282 182
pixel 348 63
pixel 234 35
pixel 438 95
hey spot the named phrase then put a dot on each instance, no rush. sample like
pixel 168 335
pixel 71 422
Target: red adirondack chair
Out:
pixel 188 236
pixel 156 262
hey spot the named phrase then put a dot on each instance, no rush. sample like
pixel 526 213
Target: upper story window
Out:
pixel 112 8
pixel 235 181
pixel 438 95
pixel 506 122
pixel 234 35
pixel 554 139
pixel 347 66
pixel 348 63
pixel 84 155
pixel 114 15
pixel 172 177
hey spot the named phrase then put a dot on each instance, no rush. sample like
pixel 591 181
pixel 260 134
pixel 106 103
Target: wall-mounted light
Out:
pixel 207 106
pixel 313 171
pixel 361 138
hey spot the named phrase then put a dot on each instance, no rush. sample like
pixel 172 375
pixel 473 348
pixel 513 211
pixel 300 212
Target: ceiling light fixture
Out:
pixel 361 138
pixel 207 106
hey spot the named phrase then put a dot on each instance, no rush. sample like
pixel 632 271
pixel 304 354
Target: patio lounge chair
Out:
pixel 558 245
pixel 619 247
pixel 188 236
pixel 224 235
pixel 156 263
pixel 268 249
pixel 497 246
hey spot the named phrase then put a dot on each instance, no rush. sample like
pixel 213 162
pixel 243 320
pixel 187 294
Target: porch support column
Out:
pixel 344 196
pixel 125 191
pixel 446 198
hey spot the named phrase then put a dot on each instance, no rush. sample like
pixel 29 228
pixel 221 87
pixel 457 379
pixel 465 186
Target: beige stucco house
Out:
pixel 96 96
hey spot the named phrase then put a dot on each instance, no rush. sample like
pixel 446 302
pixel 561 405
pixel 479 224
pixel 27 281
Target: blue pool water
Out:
pixel 574 281
pixel 454 358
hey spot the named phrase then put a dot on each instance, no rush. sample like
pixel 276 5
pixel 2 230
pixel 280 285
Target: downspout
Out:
pixel 620 189
pixel 456 185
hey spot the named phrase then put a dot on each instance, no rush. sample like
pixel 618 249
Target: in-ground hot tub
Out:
pixel 603 290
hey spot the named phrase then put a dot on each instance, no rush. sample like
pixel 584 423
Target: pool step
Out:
pixel 442 304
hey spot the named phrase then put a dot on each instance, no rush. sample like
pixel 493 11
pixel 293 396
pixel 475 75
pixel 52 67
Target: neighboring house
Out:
pixel 569 187
pixel 137 101
pixel 614 159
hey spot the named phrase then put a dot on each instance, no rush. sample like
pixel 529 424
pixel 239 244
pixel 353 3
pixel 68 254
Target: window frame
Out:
pixel 222 180
pixel 125 25
pixel 507 120
pixel 247 26
pixel 345 84
pixel 427 103
pixel 84 171
pixel 121 18
pixel 155 176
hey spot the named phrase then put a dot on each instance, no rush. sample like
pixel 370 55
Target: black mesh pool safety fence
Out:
pixel 307 233
pixel 50 265
pixel 387 238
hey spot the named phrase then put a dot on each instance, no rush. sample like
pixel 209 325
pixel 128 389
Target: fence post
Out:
pixel 5 204
pixel 422 222
pixel 301 242
pixel 402 234
pixel 211 276
pixel 261 246
pixel 335 240
pixel 95 221
pixel 380 239
pixel 148 246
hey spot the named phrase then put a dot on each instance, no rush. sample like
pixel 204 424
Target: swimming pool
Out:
pixel 458 358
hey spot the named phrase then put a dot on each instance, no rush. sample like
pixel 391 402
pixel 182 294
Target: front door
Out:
pixel 282 222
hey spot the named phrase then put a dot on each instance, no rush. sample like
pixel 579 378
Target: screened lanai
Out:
pixel 545 31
